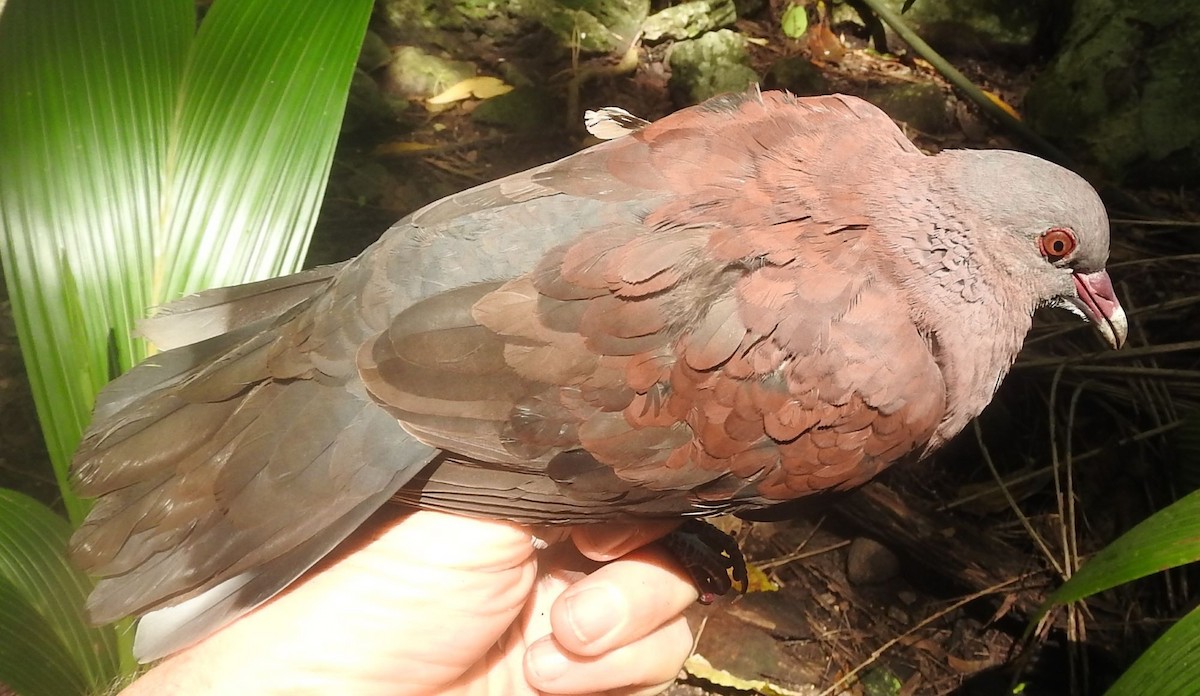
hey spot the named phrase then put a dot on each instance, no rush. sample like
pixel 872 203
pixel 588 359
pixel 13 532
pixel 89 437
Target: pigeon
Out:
pixel 752 300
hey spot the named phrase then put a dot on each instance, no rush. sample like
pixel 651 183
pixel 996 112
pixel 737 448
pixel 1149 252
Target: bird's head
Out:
pixel 1049 227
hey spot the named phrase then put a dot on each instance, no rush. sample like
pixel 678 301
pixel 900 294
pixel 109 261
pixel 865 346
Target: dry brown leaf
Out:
pixel 968 666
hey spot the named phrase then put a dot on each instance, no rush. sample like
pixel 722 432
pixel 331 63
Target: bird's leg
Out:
pixel 709 556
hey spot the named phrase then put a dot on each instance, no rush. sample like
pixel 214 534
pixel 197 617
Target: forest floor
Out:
pixel 923 583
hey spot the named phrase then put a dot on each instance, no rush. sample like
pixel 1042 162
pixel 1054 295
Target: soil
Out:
pixel 941 606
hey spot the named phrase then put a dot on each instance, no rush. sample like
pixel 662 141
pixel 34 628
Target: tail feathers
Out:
pixel 219 311
pixel 200 328
pixel 279 467
pixel 159 373
pixel 167 630
pixel 210 463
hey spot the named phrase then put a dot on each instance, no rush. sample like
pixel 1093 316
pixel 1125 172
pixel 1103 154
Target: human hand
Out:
pixel 441 604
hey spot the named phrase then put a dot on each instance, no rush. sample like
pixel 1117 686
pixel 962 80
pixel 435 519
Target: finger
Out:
pixel 647 665
pixel 453 583
pixel 620 603
pixel 412 605
pixel 604 542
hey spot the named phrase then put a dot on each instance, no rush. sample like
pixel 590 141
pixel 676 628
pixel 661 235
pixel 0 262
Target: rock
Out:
pixel 525 110
pixel 375 53
pixel 597 26
pixel 968 27
pixel 716 63
pixel 414 19
pixel 919 105
pixel 869 562
pixel 797 75
pixel 413 73
pixel 688 20
pixel 365 104
pixel 1122 90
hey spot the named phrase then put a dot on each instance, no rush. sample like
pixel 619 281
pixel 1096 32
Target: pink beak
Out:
pixel 1098 302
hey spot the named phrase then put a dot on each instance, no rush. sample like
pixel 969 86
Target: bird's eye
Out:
pixel 1057 243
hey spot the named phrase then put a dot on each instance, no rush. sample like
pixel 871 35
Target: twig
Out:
pixel 1037 538
pixel 1047 470
pixel 799 555
pixel 1155 223
pixel 879 652
pixel 1076 624
pixel 1126 354
pixel 1153 260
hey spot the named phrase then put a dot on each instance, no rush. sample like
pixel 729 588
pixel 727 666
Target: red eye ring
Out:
pixel 1057 243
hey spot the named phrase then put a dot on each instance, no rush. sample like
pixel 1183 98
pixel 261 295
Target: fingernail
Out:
pixel 546 662
pixel 594 612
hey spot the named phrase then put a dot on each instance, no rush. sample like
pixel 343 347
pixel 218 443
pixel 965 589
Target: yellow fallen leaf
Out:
pixel 759 582
pixel 478 87
pixel 701 668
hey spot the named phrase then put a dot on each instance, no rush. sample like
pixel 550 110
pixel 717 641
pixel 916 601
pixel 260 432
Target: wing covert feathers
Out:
pixel 736 324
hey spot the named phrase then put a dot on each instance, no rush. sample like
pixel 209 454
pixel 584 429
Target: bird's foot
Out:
pixel 710 557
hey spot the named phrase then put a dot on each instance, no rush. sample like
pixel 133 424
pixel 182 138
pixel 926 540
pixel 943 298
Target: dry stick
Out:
pixel 778 560
pixel 1154 260
pixel 799 555
pixel 1155 372
pixel 1041 544
pixel 1046 470
pixel 1126 354
pixel 1076 627
pixel 1056 467
pixel 1155 223
pixel 451 147
pixel 878 652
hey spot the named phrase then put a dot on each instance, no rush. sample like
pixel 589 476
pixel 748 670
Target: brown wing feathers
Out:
pixel 719 331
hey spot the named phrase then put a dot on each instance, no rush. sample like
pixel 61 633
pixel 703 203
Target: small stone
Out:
pixel 869 562
pixel 413 73
pixel 594 26
pixel 688 20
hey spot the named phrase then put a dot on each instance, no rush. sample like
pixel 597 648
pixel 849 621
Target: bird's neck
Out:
pixel 973 322
pixel 975 344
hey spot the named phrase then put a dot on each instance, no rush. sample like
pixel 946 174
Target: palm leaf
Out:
pixel 46 646
pixel 143 160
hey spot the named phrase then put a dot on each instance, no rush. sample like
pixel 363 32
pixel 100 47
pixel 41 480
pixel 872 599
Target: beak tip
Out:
pixel 1114 329
pixel 1096 300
